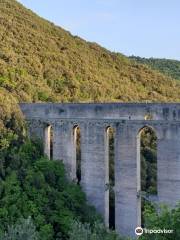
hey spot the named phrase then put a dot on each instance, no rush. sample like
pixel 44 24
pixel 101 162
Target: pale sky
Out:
pixel 146 28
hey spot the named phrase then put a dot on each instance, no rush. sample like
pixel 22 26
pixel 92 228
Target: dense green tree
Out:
pixel 34 186
pixel 168 67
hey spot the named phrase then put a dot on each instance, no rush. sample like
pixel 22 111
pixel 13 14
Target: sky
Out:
pixel 146 28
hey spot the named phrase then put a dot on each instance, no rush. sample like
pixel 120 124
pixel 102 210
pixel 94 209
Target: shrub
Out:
pixel 23 230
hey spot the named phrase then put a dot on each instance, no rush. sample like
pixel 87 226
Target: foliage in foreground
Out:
pixel 156 217
pixel 23 230
pixel 162 217
pixel 97 231
pixel 31 185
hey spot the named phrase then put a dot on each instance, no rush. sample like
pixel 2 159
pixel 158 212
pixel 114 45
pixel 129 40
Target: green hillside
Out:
pixel 168 67
pixel 42 62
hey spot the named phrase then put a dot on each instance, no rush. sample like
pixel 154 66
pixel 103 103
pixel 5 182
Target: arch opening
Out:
pixel 147 167
pixel 111 176
pixel 77 148
pixel 51 142
pixel 48 142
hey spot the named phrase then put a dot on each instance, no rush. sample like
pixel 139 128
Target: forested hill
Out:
pixel 42 62
pixel 166 66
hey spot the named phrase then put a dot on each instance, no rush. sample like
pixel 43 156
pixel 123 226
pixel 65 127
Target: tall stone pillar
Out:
pixel 168 164
pixel 127 180
pixel 94 167
pixel 64 148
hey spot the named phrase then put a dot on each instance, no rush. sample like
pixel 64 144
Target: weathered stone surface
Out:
pixel 127 119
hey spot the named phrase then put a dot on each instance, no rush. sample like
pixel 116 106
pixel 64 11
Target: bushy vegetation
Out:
pixel 168 67
pixel 42 62
pixel 23 230
pixel 162 217
pixel 156 217
pixel 31 185
pixel 97 231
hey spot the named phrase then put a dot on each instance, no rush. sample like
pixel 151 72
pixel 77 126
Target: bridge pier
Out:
pixel 64 148
pixel 94 167
pixel 127 180
pixel 168 151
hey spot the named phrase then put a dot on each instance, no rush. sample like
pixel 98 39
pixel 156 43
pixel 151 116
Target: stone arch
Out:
pixel 110 153
pixel 146 165
pixel 155 128
pixel 77 151
pixel 48 141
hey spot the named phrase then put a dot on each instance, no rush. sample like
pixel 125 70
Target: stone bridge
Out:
pixel 127 120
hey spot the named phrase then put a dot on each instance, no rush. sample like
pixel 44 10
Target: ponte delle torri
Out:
pixel 127 120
